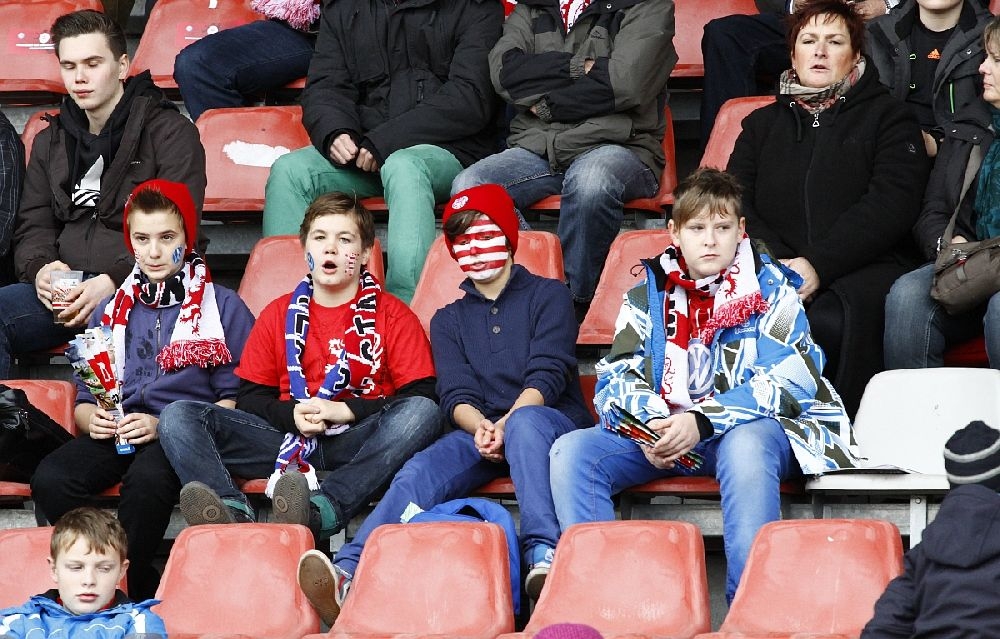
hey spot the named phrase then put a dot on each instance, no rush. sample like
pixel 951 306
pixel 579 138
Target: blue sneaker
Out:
pixel 539 564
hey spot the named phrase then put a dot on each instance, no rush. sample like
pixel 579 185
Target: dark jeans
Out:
pixel 75 472
pixel 205 442
pixel 735 50
pixel 219 70
pixel 26 325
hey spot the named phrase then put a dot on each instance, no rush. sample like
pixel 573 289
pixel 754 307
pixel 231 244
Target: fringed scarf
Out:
pixel 818 100
pixel 300 14
pixel 351 373
pixel 695 310
pixel 987 204
pixel 197 338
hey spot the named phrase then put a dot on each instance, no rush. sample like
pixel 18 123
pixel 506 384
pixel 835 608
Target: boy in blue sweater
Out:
pixel 507 380
pixel 88 561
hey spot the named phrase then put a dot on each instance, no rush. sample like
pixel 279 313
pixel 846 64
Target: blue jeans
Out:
pixel 220 69
pixel 749 461
pixel 26 325
pixel 918 330
pixel 593 190
pixel 452 468
pixel 205 442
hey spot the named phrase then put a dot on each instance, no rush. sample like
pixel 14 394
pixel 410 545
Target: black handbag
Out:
pixel 27 435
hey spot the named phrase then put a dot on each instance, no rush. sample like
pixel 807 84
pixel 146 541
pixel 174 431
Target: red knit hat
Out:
pixel 492 201
pixel 178 194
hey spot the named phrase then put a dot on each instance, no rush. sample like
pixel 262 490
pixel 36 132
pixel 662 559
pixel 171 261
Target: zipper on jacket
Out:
pixel 420 91
pixel 142 392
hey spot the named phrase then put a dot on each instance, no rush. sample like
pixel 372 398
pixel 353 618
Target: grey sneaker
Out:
pixel 201 505
pixel 538 570
pixel 324 584
pixel 290 500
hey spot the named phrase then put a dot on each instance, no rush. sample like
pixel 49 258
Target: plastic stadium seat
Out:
pixel 728 126
pixel 174 24
pixel 241 144
pixel 627 577
pixel 622 271
pixel 29 65
pixel 430 579
pixel 813 576
pixel 24 571
pixel 690 18
pixel 971 354
pixel 668 179
pixel 538 251
pixel 235 580
pixel 32 128
pixel 276 265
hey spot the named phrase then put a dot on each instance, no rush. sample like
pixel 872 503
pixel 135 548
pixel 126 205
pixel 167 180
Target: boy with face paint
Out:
pixel 337 376
pixel 176 336
pixel 508 383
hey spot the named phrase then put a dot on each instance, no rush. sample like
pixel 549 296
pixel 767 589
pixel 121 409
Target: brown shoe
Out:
pixel 323 584
pixel 201 505
pixel 290 501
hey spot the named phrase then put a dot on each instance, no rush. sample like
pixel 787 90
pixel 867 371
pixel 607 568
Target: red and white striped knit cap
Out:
pixel 492 201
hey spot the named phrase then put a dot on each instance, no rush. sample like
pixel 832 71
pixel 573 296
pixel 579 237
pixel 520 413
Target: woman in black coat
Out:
pixel 833 175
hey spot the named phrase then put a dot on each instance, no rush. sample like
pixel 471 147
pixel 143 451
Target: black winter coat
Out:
pixel 842 190
pixel 950 588
pixel 970 129
pixel 397 74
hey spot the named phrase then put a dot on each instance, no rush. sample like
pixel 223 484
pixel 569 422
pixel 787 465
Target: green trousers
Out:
pixel 412 180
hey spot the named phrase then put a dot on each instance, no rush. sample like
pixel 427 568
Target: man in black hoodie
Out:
pixel 949 586
pixel 110 136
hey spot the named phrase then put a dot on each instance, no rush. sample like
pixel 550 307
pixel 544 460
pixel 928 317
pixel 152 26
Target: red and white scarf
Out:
pixel 570 10
pixel 197 337
pixel 695 310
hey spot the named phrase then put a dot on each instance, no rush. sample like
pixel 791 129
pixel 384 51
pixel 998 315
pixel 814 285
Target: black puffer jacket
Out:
pixel 397 74
pixel 970 130
pixel 950 588
pixel 156 142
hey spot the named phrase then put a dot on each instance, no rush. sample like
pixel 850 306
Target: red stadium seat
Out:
pixel 970 354
pixel 240 146
pixel 174 24
pixel 728 126
pixel 30 70
pixel 621 272
pixel 668 180
pixel 32 128
pixel 627 578
pixel 430 580
pixel 818 576
pixel 538 251
pixel 277 265
pixel 690 18
pixel 237 580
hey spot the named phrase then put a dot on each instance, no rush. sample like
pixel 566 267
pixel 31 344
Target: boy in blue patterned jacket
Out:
pixel 713 353
pixel 87 558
